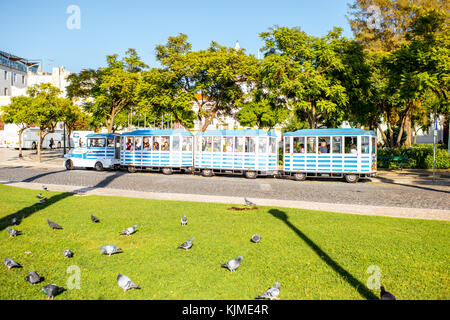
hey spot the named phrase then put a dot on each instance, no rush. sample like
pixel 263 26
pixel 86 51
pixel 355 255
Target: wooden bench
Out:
pixel 397 158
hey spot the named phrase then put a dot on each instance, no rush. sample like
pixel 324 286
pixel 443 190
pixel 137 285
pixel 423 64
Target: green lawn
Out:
pixel 314 255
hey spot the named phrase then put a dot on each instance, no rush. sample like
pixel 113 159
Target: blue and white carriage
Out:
pixel 247 152
pixel 347 153
pixel 157 150
pixel 101 151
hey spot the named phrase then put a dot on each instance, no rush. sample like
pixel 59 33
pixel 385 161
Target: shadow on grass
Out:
pixel 355 283
pixel 28 211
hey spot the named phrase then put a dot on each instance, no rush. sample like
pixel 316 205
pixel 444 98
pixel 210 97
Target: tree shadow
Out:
pixel 355 283
pixel 391 181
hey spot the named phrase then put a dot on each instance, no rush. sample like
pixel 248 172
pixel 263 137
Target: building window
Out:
pixel 6 91
pixel 23 79
pixel 6 75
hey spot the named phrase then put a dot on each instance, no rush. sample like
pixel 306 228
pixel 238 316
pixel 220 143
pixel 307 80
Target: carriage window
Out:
pixel 227 144
pixel 273 145
pixel 262 145
pixel 374 145
pixel 324 145
pixel 138 143
pixel 96 143
pixel 187 144
pixel 111 142
pixel 198 143
pixel 365 149
pixel 165 143
pixel 299 145
pixel 147 143
pixel 350 145
pixel 155 146
pixel 216 144
pixel 287 144
pixel 206 144
pixel 175 143
pixel 250 144
pixel 129 144
pixel 337 144
pixel 239 143
pixel 311 144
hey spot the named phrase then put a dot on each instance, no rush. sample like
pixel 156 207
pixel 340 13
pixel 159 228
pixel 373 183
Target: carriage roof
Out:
pixel 176 132
pixel 102 135
pixel 331 132
pixel 239 133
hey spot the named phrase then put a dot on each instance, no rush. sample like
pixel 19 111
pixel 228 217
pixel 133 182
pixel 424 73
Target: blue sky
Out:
pixel 37 29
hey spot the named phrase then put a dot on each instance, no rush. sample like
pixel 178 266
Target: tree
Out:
pixel 75 119
pixel 213 80
pixel 108 91
pixel 47 109
pixel 303 71
pixel 19 112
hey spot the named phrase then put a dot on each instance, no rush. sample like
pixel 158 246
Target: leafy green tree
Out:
pixel 106 92
pixel 303 71
pixel 19 112
pixel 75 119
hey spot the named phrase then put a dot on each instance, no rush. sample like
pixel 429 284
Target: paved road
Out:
pixel 362 193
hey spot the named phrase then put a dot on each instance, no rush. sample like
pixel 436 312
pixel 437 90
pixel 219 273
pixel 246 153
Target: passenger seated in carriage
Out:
pixel 323 147
pixel 165 147
pixel 146 144
pixel 138 145
pixel 155 146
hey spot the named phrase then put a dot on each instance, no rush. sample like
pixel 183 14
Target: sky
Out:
pixel 37 29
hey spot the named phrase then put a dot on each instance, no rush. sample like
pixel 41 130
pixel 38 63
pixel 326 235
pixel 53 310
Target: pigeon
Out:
pixel 9 263
pixel 14 221
pixel 232 265
pixel 52 290
pixel 13 232
pixel 125 283
pixel 109 249
pixel 256 238
pixel 186 245
pixel 42 200
pixel 384 295
pixel 68 253
pixel 94 219
pixel 184 220
pixel 53 225
pixel 39 195
pixel 33 278
pixel 44 188
pixel 249 203
pixel 271 293
pixel 129 230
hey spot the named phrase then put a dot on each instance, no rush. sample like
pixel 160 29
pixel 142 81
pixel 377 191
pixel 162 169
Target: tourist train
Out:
pixel 321 153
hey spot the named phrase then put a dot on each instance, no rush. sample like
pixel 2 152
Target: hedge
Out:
pixel 419 157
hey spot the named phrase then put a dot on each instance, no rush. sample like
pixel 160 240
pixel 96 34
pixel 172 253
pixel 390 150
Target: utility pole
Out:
pixel 64 137
pixel 434 143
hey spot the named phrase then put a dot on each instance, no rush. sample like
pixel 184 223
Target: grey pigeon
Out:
pixel 68 253
pixel 14 221
pixel 249 203
pixel 39 195
pixel 384 295
pixel 33 278
pixel 94 219
pixel 53 225
pixel 256 238
pixel 129 231
pixel 42 201
pixel 52 290
pixel 186 245
pixel 9 263
pixel 109 249
pixel 44 188
pixel 13 232
pixel 125 283
pixel 232 265
pixel 271 293
pixel 184 221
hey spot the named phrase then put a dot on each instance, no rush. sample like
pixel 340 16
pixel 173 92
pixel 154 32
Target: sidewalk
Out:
pixel 49 158
pixel 398 212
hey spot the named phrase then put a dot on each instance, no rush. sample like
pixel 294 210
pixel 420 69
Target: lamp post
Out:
pixel 434 143
pixel 64 138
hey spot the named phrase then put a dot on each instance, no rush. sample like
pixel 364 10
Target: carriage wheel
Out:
pixel 131 169
pixel 167 171
pixel 300 176
pixel 98 166
pixel 207 173
pixel 69 165
pixel 351 178
pixel 250 174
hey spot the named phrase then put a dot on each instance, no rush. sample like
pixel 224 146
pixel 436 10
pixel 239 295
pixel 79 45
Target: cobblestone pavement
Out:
pixel 387 193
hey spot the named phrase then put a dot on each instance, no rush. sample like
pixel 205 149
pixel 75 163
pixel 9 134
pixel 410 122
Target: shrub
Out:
pixel 419 157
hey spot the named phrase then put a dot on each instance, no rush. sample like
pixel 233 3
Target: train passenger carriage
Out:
pixel 157 150
pixel 242 152
pixel 101 151
pixel 339 153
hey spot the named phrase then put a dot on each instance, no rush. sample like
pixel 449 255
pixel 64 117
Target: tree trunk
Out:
pixel 408 127
pixel 312 122
pixel 20 142
pixel 383 135
pixel 39 146
pixel 400 133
